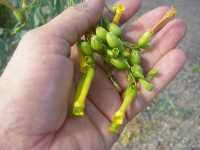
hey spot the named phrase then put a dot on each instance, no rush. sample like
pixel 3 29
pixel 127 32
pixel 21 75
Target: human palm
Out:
pixel 37 86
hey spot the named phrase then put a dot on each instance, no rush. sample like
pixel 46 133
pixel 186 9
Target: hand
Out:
pixel 37 86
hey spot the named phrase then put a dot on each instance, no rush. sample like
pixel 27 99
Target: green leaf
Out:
pixel 38 18
pixel 196 69
pixel 1 31
pixel 104 22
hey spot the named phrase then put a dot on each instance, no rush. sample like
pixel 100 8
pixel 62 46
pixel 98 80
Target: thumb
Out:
pixel 75 21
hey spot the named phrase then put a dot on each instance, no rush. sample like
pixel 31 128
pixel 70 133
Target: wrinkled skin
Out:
pixel 37 86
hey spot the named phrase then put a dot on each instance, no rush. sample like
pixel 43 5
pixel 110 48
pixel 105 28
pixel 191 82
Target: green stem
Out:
pixel 130 45
pixel 129 95
pixel 24 4
pixel 82 91
pixel 19 15
pixel 18 28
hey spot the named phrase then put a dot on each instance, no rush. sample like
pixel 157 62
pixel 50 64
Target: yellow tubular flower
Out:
pixel 119 10
pixel 82 91
pixel 145 39
pixel 82 63
pixel 87 75
pixel 128 98
pixel 164 20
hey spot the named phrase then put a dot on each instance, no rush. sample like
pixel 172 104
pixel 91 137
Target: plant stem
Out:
pixel 73 2
pixel 129 95
pixel 19 15
pixel 82 91
pixel 24 4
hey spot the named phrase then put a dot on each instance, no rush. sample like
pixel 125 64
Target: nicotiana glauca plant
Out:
pixel 104 40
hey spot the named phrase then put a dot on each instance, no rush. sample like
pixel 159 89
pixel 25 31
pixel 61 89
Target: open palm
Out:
pixel 37 86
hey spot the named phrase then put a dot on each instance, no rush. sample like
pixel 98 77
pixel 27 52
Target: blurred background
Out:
pixel 172 121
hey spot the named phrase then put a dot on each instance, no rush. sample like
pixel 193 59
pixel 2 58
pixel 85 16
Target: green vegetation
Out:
pixel 21 16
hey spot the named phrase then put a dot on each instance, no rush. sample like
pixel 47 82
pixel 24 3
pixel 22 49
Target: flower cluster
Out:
pixel 119 54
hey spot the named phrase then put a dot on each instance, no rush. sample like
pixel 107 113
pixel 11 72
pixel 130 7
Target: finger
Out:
pixel 75 21
pixel 78 133
pixel 101 123
pixel 168 68
pixel 132 6
pixel 104 95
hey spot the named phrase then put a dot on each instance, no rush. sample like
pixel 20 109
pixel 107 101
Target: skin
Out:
pixel 37 86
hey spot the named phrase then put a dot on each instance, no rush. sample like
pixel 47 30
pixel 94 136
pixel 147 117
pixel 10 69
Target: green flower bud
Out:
pixel 85 48
pixel 148 86
pixel 113 53
pixel 97 44
pixel 145 39
pixel 120 63
pixel 101 33
pixel 89 60
pixel 125 53
pixel 152 74
pixel 135 58
pixel 115 29
pixel 112 40
pixel 19 15
pixel 110 53
pixel 137 71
